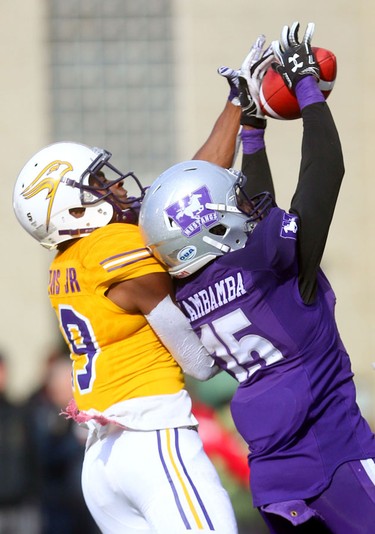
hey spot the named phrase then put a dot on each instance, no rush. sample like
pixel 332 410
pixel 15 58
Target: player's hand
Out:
pixel 232 78
pixel 295 59
pixel 250 78
pixel 245 82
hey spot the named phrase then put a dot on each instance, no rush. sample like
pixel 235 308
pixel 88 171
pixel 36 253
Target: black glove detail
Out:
pixel 295 59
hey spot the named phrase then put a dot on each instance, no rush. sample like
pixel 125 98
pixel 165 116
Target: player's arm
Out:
pixel 255 165
pixel 220 147
pixel 151 295
pixel 322 166
pixel 314 201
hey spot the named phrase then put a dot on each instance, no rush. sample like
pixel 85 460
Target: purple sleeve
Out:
pixel 255 164
pixel 252 140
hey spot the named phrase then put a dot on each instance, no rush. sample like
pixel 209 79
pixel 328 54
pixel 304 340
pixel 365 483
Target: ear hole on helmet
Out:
pixel 77 212
pixel 219 229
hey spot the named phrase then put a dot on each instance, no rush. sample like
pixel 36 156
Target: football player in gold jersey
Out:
pixel 144 469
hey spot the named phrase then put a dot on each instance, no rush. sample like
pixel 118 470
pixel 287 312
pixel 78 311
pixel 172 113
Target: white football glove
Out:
pixel 253 69
pixel 245 82
pixel 232 78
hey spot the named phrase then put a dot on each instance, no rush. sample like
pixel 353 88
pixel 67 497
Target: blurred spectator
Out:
pixel 19 510
pixel 60 445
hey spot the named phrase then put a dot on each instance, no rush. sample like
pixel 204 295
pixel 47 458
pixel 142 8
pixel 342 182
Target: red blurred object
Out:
pixel 220 442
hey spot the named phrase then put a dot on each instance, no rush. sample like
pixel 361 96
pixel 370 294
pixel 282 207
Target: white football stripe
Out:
pixel 127 258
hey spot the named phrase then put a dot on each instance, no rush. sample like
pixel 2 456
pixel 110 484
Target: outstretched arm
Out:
pixel 255 164
pixel 322 166
pixel 151 296
pixel 321 173
pixel 220 146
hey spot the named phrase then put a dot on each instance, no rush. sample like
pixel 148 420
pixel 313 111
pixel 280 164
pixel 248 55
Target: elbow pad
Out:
pixel 175 332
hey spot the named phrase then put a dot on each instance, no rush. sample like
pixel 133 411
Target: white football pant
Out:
pixel 154 482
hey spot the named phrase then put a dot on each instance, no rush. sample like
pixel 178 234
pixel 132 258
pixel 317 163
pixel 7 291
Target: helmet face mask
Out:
pixel 95 185
pixel 67 190
pixel 196 211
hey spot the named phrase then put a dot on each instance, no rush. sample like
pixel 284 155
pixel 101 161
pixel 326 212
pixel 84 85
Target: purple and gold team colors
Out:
pixel 143 445
pixel 116 355
pixel 265 311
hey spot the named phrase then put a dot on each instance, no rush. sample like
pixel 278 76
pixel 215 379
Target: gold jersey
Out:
pixel 116 355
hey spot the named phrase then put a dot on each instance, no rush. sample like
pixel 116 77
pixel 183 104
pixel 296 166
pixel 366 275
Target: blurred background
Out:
pixel 138 77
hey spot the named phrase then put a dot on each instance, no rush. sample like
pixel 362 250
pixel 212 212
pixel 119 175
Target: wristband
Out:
pixel 307 92
pixel 252 141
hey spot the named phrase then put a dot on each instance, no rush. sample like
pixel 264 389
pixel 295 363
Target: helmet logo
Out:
pixel 289 226
pixel 191 214
pixel 187 253
pixel 48 179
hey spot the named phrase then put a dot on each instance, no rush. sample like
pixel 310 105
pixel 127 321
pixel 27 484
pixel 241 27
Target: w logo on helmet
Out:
pixel 190 212
pixel 48 180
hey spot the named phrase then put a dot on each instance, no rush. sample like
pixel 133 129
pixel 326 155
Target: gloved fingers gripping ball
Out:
pixel 240 96
pixel 295 59
pixel 248 105
pixel 260 68
pixel 280 102
pixel 253 78
pixel 251 114
pixel 289 37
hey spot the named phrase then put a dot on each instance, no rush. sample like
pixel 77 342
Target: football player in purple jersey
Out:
pixel 247 275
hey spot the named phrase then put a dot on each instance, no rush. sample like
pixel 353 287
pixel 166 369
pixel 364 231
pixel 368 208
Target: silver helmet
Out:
pixel 196 211
pixel 62 193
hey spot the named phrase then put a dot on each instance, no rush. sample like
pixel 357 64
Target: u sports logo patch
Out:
pixel 190 212
pixel 289 226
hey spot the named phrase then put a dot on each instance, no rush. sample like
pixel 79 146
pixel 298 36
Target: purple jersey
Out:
pixel 295 405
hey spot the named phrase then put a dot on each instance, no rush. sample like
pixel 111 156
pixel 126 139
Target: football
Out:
pixel 279 102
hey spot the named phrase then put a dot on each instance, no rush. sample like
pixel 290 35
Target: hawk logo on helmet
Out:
pixel 190 212
pixel 48 180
